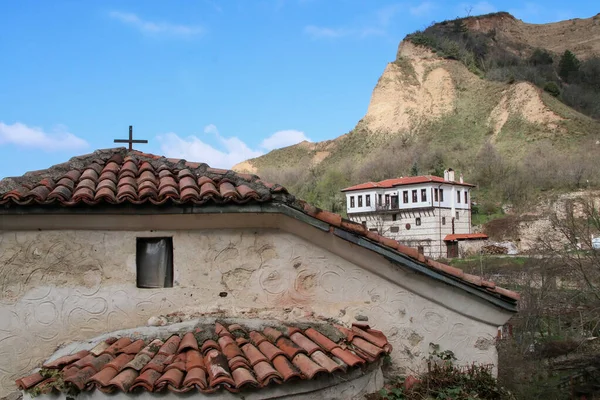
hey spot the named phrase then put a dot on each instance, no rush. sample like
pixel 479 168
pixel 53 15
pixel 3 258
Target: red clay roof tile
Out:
pixel 134 347
pixel 409 180
pixel 195 377
pixel 186 369
pixel 146 380
pixel 308 367
pixel 188 342
pixel 157 363
pixel 253 354
pixel 29 381
pixel 120 361
pixel 285 368
pixel 269 350
pixel 265 373
pixel 123 380
pixel 304 342
pixel 81 377
pixel 208 345
pixel 243 378
pixel 170 346
pixel 321 339
pixel 330 365
pixel 347 356
pixel 101 378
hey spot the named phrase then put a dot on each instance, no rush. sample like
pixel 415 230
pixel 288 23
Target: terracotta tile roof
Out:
pixel 337 221
pixel 116 176
pixel 409 180
pixel 465 236
pixel 207 360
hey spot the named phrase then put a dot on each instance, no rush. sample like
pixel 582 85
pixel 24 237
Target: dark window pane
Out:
pixel 154 262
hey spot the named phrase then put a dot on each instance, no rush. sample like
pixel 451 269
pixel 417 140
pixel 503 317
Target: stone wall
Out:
pixel 63 286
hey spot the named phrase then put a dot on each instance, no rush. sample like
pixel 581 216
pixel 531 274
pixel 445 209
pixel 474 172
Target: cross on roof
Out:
pixel 130 140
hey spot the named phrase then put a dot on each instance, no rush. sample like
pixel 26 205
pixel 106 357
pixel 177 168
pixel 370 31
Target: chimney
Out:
pixel 445 174
pixel 450 175
pixel 461 178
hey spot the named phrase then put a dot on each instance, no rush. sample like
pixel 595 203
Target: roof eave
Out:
pixel 290 211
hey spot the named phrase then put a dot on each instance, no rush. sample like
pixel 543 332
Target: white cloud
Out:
pixel 422 9
pixel 319 32
pixel 283 139
pixel 150 27
pixel 228 152
pixel 22 135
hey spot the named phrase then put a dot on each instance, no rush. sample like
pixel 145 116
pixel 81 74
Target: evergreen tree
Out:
pixel 568 66
pixel 414 171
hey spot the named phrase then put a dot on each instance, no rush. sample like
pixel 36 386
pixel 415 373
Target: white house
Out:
pixel 427 212
pixel 122 271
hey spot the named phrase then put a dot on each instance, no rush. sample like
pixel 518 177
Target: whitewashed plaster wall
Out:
pixel 61 286
pixel 430 234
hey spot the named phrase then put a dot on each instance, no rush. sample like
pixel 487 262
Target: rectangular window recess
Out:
pixel 154 262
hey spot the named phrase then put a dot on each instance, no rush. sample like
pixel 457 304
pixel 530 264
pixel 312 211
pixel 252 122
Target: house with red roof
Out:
pixel 428 212
pixel 127 273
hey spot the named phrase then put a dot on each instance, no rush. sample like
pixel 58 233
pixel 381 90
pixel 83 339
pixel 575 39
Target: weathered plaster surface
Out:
pixel 62 286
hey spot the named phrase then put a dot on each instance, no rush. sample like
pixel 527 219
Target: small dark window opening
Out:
pixel 373 230
pixel 414 196
pixel 394 229
pixel 405 196
pixel 387 200
pixel 154 262
pixel 351 201
pixel 466 201
pixel 435 195
pixel 442 195
pixel 443 220
pixel 418 221
pixel 458 196
pixel 457 214
pixel 380 201
pixel 368 200
pixel 394 217
pixel 360 201
pixel 423 194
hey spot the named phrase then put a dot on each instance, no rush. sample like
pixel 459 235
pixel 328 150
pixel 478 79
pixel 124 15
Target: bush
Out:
pixel 445 380
pixel 552 88
pixel 540 57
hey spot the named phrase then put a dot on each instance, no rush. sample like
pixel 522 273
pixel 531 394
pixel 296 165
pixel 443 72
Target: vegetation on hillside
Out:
pixel 575 82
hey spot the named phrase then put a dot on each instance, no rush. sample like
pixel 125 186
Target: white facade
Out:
pixel 416 214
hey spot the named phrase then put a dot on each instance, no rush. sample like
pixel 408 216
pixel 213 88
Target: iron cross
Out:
pixel 130 140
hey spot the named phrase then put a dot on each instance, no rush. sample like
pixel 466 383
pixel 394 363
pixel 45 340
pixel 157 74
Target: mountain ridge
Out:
pixel 428 111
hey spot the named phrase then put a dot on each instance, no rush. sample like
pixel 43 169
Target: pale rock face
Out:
pixel 411 91
pixel 63 286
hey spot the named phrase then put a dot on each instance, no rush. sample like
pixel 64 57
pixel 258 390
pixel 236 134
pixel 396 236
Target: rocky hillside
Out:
pixel 430 111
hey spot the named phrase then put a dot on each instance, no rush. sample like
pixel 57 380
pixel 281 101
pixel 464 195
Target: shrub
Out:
pixel 552 88
pixel 568 66
pixel 540 57
pixel 445 380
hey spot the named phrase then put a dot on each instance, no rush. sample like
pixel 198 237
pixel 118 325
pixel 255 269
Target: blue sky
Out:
pixel 206 80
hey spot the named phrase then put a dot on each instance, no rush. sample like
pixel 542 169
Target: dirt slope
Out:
pixel 580 35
